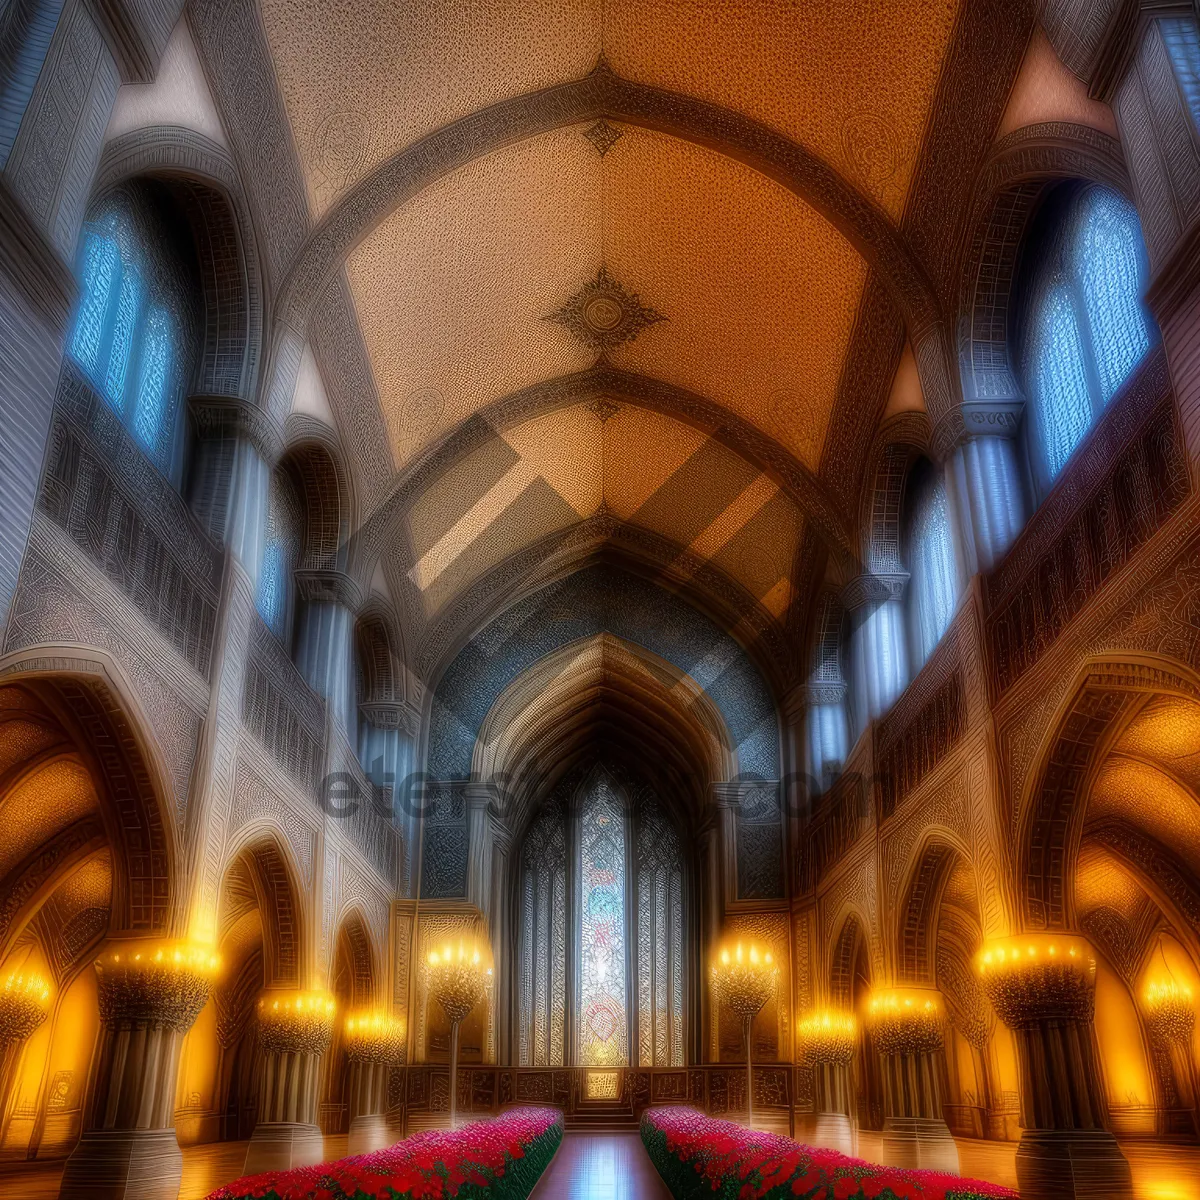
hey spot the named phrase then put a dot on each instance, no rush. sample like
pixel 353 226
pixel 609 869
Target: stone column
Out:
pixel 386 736
pixel 908 1029
pixel 230 485
pixel 149 997
pixel 328 601
pixel 728 799
pixel 828 1041
pixel 373 1043
pixel 294 1031
pixel 985 480
pixel 1042 987
pixel 878 644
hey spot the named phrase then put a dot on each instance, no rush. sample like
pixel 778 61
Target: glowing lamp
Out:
pixel 828 1036
pixel 24 1001
pixel 1038 976
pixel 373 1037
pixel 907 1020
pixel 1170 1010
pixel 457 978
pixel 744 978
pixel 164 982
pixel 295 1022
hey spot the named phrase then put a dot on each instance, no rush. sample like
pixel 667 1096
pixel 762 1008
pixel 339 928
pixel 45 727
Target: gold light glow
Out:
pixel 744 976
pixel 458 975
pixel 164 980
pixel 828 1036
pixel 24 1001
pixel 290 1022
pixel 373 1036
pixel 1030 951
pixel 907 1020
pixel 1171 1010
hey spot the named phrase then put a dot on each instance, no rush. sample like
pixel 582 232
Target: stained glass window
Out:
pixel 100 271
pixel 542 982
pixel 1111 271
pixel 155 379
pixel 129 303
pixel 603 1038
pixel 931 555
pixel 660 939
pixel 1089 327
pixel 1182 38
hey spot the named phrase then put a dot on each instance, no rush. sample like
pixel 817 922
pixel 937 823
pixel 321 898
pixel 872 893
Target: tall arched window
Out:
pixel 1181 36
pixel 933 568
pixel 134 331
pixel 280 547
pixel 608 967
pixel 1086 326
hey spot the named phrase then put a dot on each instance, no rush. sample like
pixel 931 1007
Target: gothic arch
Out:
pixel 1107 694
pixel 313 463
pixel 356 954
pixel 896 446
pixel 96 706
pixel 206 183
pixel 931 864
pixel 606 94
pixel 1020 170
pixel 380 655
pixel 845 951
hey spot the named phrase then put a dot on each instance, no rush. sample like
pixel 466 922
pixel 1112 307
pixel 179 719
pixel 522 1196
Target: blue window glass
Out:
pixel 1112 270
pixel 129 303
pixel 1182 39
pixel 154 379
pixel 1060 379
pixel 270 599
pixel 933 566
pixel 100 272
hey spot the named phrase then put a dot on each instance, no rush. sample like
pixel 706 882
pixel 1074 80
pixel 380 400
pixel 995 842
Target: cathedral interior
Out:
pixel 611 484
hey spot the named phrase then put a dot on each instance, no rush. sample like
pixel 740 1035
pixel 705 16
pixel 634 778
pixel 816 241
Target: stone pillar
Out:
pixel 373 1043
pixel 479 797
pixel 728 798
pixel 294 1032
pixel 149 997
pixel 230 483
pixel 1042 987
pixel 328 601
pixel 386 736
pixel 828 1041
pixel 908 1028
pixel 985 480
pixel 878 644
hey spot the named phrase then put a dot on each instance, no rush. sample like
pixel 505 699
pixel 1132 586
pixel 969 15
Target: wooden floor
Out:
pixel 615 1167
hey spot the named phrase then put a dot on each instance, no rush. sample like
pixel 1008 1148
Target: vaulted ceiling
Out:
pixel 639 242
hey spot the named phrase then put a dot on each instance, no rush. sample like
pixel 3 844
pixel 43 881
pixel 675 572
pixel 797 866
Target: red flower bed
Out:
pixel 704 1158
pixel 499 1159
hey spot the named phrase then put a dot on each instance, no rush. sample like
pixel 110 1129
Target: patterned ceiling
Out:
pixel 717 281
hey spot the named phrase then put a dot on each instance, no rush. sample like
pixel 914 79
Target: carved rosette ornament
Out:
pixel 604 315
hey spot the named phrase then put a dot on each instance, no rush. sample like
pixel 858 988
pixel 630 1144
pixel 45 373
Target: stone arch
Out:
pixel 1106 695
pixel 845 952
pixel 90 698
pixel 898 443
pixel 606 94
pixel 262 856
pixel 587 602
pixel 206 184
pixel 1021 169
pixel 356 957
pixel 312 462
pixel 382 675
pixel 932 862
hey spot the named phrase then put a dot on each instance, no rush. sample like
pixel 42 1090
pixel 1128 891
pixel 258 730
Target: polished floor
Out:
pixel 614 1167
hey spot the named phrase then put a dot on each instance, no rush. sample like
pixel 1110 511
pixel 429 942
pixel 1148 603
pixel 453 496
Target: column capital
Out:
pixel 231 416
pixel 391 714
pixel 163 984
pixel 323 585
pixel 1033 978
pixel 873 588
